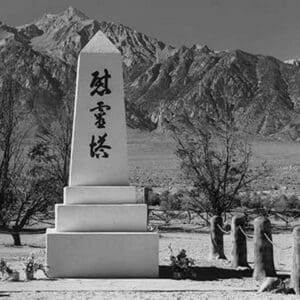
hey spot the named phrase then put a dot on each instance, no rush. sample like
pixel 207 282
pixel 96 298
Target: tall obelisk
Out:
pixel 100 230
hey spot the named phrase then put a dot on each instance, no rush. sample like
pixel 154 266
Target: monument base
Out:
pixel 102 255
pixel 101 217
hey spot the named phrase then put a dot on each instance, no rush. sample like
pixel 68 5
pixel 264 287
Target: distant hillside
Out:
pixel 264 92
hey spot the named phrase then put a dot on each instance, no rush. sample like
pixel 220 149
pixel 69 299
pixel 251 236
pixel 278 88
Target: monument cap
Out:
pixel 100 43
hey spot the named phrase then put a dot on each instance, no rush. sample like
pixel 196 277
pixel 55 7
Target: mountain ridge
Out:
pixel 159 79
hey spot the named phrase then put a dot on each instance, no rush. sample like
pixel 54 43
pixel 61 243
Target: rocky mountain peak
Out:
pixel 64 34
pixel 29 31
pixel 74 13
pixel 202 48
pixel 9 34
pixel 294 61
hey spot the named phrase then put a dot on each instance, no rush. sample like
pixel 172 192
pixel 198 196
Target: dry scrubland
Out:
pixel 153 162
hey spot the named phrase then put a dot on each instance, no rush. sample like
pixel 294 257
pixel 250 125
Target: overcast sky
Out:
pixel 269 27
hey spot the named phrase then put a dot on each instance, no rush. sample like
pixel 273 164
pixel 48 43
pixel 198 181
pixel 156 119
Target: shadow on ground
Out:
pixel 4 295
pixel 209 273
pixel 214 273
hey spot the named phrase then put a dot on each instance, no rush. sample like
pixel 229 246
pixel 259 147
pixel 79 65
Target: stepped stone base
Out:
pixel 99 194
pixel 102 255
pixel 102 218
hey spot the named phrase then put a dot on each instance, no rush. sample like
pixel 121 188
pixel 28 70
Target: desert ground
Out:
pixel 152 162
pixel 215 279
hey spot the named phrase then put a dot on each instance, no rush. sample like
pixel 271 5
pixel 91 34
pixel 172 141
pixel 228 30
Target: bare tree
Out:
pixel 52 150
pixel 215 158
pixel 31 203
pixel 10 141
pixel 22 196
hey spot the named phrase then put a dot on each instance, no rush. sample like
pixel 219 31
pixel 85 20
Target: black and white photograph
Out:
pixel 149 149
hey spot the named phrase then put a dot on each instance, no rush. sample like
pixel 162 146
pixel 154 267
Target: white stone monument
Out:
pixel 100 230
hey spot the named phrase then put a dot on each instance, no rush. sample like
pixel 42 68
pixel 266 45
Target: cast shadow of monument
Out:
pixel 209 273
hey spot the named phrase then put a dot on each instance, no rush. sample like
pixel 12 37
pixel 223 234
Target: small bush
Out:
pixel 170 201
pixel 293 202
pixel 287 203
pixel 261 203
pixel 267 202
pixel 151 198
pixel 154 199
pixel 181 265
pixel 252 201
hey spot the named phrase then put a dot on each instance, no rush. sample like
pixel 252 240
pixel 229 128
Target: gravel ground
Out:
pixel 197 247
pixel 146 296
